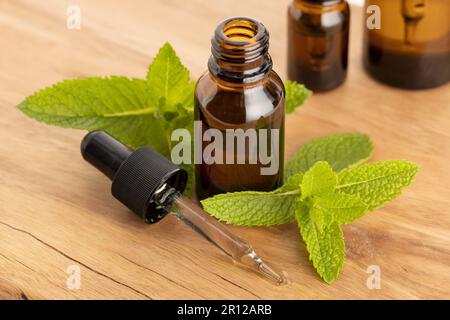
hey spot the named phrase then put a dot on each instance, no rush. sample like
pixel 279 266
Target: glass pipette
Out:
pixel 151 186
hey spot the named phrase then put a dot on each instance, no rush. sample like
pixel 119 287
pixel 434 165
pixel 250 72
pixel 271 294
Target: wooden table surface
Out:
pixel 56 210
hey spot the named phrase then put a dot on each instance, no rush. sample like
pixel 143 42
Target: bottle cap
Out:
pixel 136 175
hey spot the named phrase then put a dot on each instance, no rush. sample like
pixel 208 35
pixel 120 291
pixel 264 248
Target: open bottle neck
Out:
pixel 240 52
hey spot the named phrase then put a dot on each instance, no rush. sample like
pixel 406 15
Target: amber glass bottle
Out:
pixel 318 33
pixel 240 91
pixel 411 49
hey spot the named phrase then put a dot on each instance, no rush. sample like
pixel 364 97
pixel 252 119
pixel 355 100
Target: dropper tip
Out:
pixel 264 269
pixel 280 279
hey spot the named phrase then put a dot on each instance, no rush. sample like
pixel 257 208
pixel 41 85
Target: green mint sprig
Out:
pixel 329 200
pixel 252 208
pixel 320 199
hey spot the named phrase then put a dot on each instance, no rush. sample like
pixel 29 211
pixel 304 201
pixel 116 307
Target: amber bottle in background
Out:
pixel 240 91
pixel 318 32
pixel 412 47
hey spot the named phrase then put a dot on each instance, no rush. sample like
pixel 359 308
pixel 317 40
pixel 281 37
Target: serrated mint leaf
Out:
pixel 338 207
pixel 117 105
pixel 296 95
pixel 339 150
pixel 252 208
pixel 377 183
pixel 326 247
pixel 169 81
pixel 318 180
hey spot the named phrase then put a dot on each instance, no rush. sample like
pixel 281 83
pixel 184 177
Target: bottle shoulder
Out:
pixel 239 104
pixel 207 87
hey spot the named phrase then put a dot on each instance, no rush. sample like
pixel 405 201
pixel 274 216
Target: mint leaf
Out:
pixel 296 95
pixel 318 180
pixel 252 208
pixel 339 150
pixel 377 183
pixel 326 247
pixel 338 207
pixel 169 81
pixel 118 105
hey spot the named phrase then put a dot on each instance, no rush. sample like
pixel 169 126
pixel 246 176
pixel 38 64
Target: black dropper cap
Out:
pixel 135 175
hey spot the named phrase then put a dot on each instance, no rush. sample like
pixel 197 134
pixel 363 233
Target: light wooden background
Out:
pixel 56 210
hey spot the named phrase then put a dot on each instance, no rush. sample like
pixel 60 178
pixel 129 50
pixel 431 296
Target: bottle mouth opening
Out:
pixel 241 30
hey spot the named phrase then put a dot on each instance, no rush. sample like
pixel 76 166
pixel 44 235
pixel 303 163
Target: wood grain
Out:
pixel 56 211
